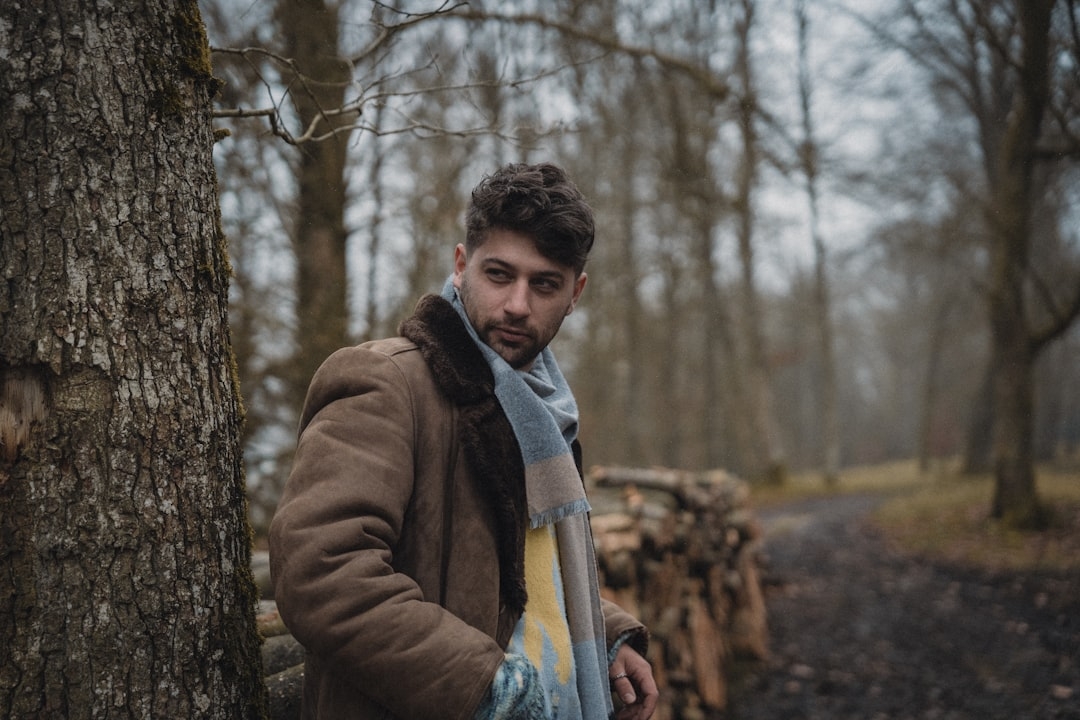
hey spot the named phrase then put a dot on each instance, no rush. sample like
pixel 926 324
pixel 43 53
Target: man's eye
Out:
pixel 546 285
pixel 498 275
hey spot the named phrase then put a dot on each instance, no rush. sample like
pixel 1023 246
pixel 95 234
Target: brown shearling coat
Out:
pixel 397 547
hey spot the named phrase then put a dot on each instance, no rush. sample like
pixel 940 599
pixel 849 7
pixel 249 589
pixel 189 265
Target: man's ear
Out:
pixel 460 260
pixel 579 285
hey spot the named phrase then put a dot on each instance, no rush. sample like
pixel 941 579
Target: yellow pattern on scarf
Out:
pixel 543 610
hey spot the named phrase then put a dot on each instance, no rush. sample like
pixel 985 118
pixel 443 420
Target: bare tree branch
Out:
pixel 386 32
pixel 709 81
pixel 355 107
pixel 365 98
pixel 1061 316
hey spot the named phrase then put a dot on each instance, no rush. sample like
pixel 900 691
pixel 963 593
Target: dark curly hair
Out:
pixel 539 201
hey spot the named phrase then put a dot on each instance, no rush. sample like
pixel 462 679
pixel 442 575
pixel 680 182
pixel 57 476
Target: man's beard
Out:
pixel 517 355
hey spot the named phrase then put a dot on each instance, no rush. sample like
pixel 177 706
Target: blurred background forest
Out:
pixel 798 265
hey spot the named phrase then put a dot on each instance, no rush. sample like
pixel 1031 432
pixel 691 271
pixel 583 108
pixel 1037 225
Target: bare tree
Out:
pixel 1016 341
pixel 616 364
pixel 771 466
pixel 809 164
pixel 1007 64
pixel 318 78
pixel 126 586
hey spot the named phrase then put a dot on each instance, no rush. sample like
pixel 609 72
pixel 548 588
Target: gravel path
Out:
pixel 860 632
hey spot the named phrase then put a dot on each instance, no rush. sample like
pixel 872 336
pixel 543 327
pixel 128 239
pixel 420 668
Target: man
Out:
pixel 431 549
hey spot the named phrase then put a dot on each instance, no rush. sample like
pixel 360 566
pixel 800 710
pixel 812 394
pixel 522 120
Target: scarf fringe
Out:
pixel 554 515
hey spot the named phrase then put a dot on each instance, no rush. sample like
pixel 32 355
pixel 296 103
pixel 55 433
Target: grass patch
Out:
pixel 944 516
pixel 901 476
pixel 949 520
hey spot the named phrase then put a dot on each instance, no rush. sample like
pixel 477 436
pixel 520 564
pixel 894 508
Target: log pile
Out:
pixel 680 551
pixel 676 549
pixel 283 664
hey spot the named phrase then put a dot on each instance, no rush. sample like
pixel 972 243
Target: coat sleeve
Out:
pixel 620 625
pixel 332 542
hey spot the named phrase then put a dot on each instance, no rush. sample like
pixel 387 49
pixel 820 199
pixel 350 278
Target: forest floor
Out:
pixel 861 630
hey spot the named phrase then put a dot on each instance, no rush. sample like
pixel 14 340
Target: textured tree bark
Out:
pixel 126 587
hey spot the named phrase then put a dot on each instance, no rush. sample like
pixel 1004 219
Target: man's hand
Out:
pixel 632 680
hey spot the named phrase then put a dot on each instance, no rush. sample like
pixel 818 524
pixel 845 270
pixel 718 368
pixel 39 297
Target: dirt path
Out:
pixel 859 632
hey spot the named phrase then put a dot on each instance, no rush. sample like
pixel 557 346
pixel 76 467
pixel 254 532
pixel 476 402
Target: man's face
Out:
pixel 515 297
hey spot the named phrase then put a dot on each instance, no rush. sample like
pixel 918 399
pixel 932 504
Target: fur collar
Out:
pixel 486 437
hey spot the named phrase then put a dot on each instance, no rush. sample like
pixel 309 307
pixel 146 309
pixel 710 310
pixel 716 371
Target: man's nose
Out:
pixel 518 299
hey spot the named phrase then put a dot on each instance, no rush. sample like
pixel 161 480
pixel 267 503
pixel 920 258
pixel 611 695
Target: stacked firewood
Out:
pixel 676 549
pixel 680 551
pixel 283 659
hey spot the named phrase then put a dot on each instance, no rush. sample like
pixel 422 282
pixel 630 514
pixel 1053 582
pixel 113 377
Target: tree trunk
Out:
pixel 699 203
pixel 713 330
pixel 126 588
pixel 978 444
pixel 823 324
pixel 1015 498
pixel 935 349
pixel 771 466
pixel 310 31
pixel 372 329
pixel 670 406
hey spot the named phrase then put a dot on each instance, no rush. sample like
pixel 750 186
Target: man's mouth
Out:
pixel 512 336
